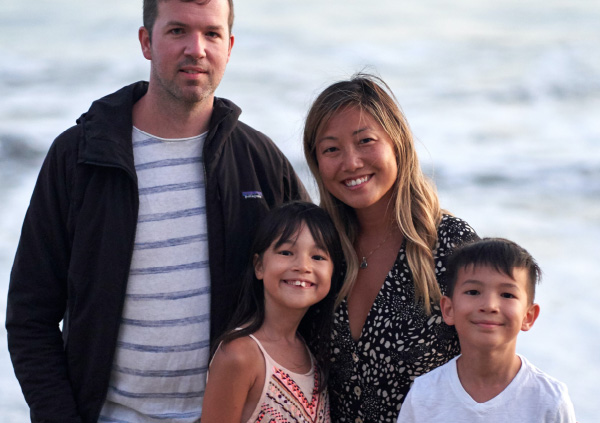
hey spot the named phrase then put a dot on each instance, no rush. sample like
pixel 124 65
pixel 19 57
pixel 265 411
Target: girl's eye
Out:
pixel 285 253
pixel 319 257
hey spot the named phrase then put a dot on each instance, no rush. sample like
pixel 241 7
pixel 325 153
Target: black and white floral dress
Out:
pixel 399 341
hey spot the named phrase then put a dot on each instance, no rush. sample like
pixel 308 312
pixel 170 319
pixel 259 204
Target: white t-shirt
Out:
pixel 532 396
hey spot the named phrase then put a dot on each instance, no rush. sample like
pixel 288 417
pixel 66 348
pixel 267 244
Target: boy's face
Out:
pixel 489 308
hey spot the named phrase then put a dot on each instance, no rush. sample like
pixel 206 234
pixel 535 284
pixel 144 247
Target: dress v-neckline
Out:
pixel 344 303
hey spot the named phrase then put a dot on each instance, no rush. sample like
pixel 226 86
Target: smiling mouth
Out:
pixel 357 181
pixel 303 284
pixel 488 324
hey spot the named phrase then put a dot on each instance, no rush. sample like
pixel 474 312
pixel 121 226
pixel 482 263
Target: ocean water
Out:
pixel 503 98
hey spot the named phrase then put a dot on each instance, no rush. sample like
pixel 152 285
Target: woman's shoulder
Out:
pixel 453 230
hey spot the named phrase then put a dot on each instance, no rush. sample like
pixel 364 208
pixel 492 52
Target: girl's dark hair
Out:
pixel 278 226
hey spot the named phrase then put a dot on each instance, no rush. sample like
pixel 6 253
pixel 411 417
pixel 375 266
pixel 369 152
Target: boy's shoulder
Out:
pixel 436 377
pixel 547 384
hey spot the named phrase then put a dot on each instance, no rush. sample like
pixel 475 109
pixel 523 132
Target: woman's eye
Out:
pixel 329 150
pixel 365 140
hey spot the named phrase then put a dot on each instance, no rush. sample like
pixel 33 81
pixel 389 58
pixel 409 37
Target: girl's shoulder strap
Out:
pixel 268 360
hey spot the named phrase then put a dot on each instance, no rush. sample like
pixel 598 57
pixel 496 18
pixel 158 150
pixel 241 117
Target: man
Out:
pixel 138 231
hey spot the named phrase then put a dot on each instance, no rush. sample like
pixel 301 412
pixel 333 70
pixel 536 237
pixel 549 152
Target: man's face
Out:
pixel 189 50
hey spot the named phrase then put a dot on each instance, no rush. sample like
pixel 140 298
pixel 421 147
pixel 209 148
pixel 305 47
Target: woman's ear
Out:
pixel 258 267
pixel 530 317
pixel 447 310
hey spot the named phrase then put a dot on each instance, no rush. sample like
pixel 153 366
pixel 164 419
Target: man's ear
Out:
pixel 258 267
pixel 145 42
pixel 447 310
pixel 530 317
pixel 231 42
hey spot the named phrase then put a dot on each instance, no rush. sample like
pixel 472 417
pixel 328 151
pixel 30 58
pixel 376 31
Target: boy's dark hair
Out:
pixel 279 226
pixel 150 13
pixel 499 253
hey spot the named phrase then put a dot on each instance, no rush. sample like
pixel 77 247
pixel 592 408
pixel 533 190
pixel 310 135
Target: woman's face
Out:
pixel 357 161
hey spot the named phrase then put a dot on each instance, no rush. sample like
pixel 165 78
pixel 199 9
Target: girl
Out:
pixel 388 328
pixel 262 370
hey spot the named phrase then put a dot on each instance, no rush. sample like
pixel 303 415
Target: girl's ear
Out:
pixel 447 310
pixel 530 317
pixel 258 267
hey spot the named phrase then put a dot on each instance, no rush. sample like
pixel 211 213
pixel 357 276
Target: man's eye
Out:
pixel 176 31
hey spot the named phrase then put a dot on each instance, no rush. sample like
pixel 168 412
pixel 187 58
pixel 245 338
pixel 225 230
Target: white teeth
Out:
pixel 298 283
pixel 354 182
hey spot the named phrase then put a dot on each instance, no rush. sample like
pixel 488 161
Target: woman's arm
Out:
pixel 236 373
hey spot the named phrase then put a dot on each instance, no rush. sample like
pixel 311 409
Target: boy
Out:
pixel 491 288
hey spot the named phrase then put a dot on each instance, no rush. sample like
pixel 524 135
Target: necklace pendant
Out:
pixel 363 263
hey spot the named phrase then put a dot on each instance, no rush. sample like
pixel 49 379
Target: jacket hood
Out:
pixel 108 123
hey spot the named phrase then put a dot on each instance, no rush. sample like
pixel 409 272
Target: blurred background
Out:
pixel 503 98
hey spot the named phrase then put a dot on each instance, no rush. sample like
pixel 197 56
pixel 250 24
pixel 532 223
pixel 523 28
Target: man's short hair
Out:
pixel 498 253
pixel 150 13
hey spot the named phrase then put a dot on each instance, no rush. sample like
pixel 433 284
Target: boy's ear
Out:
pixel 258 267
pixel 532 314
pixel 447 310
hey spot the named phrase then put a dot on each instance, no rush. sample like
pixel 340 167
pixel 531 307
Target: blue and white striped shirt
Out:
pixel 159 371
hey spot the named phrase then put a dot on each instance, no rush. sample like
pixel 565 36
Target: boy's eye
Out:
pixel 507 295
pixel 472 292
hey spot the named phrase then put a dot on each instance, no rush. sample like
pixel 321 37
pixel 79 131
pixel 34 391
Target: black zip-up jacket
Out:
pixel 76 244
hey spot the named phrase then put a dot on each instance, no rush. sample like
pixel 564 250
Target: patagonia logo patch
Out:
pixel 252 194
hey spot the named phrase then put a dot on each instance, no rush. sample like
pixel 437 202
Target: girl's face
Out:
pixel 357 161
pixel 296 274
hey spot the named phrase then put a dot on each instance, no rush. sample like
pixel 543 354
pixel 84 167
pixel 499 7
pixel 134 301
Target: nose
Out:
pixel 352 160
pixel 302 263
pixel 195 45
pixel 489 303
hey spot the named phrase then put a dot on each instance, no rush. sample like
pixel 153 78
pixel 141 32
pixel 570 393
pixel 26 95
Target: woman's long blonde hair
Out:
pixel 416 205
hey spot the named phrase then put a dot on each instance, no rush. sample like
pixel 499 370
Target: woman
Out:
pixel 388 327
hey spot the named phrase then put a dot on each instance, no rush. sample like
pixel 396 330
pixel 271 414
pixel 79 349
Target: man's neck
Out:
pixel 485 375
pixel 164 120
